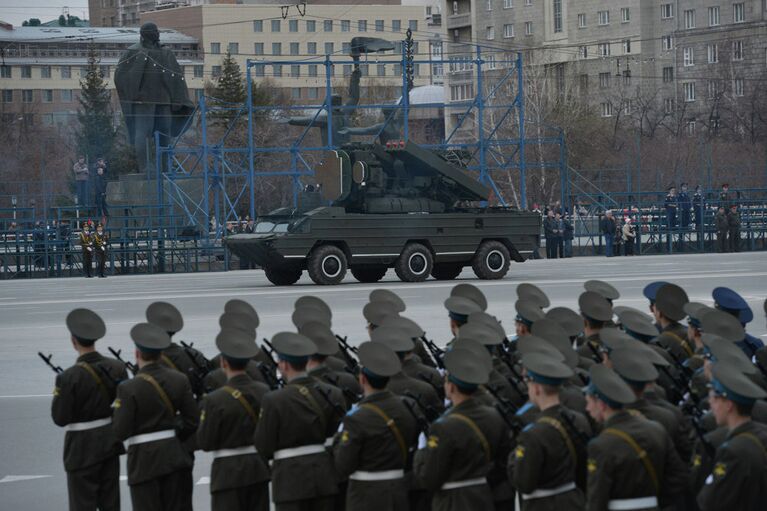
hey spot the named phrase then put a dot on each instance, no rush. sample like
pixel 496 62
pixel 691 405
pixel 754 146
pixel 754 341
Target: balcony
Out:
pixel 459 20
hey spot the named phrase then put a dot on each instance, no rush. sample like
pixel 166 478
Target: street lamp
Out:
pixel 14 201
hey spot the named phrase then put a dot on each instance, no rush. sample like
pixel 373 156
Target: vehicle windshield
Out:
pixel 264 227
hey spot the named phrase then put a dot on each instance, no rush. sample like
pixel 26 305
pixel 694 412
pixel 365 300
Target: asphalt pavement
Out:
pixel 32 314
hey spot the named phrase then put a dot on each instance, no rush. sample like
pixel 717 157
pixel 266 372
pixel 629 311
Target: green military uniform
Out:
pixel 100 244
pixel 326 344
pixel 153 414
pixel 594 307
pixel 413 362
pixel 86 244
pixel 739 477
pixel 670 300
pixel 81 405
pixel 527 292
pixel 374 445
pixel 632 463
pixel 239 477
pixel 465 444
pixel 294 425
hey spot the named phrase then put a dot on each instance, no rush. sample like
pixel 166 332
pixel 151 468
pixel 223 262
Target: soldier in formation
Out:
pixel 85 239
pixel 607 408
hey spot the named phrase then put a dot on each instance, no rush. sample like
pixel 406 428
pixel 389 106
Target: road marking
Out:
pixel 203 480
pixel 13 479
pixel 22 396
pixel 123 478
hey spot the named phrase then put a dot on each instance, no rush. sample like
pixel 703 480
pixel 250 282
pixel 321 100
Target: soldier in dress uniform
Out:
pixel 312 309
pixel 470 292
pixel 602 288
pixel 412 364
pixel 81 405
pixel 528 312
pixel 374 445
pixel 532 293
pixel 739 477
pixel 384 295
pixel 255 368
pixel 294 424
pixel 669 310
pixel 239 477
pixel 727 300
pixel 153 414
pixel 548 464
pixel 650 291
pixel 570 320
pixel 632 463
pixel 316 367
pixel 86 244
pixel 458 310
pixel 596 311
pixel 465 444
pixel 100 244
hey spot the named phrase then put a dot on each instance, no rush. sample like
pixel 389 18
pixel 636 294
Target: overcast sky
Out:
pixel 16 11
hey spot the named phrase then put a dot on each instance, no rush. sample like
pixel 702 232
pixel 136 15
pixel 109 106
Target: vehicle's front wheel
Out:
pixel 414 263
pixel 283 275
pixel 446 271
pixel 327 265
pixel 369 274
pixel 491 261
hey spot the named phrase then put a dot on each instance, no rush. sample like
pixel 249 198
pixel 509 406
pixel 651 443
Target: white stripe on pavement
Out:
pixel 14 479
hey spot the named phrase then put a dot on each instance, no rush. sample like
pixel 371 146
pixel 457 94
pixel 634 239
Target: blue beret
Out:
pixel 730 301
pixel 651 289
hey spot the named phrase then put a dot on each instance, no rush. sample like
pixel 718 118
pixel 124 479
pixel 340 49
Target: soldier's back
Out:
pixel 403 385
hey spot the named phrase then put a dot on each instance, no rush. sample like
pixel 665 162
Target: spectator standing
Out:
pixel 724 195
pixel 607 226
pixel 671 207
pixel 629 236
pixel 82 174
pixel 101 190
pixel 559 234
pixel 549 230
pixel 722 227
pixel 697 205
pixel 567 235
pixel 684 203
pixel 733 224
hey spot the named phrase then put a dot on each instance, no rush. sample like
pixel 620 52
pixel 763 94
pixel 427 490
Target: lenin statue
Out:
pixel 153 95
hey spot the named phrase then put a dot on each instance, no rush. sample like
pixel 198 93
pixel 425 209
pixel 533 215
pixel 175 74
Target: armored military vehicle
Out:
pixel 396 206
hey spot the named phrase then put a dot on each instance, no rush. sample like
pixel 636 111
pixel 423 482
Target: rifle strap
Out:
pixel 756 441
pixel 236 394
pixel 304 391
pixel 478 432
pixel 160 391
pixel 551 421
pixel 168 362
pixel 97 378
pixel 640 452
pixel 391 425
pixel 681 341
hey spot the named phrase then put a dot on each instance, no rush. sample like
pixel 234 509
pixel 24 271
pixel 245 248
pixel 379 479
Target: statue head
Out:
pixel 150 33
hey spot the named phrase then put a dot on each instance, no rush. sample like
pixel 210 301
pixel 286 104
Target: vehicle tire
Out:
pixel 369 274
pixel 283 275
pixel 327 265
pixel 414 263
pixel 491 261
pixel 446 271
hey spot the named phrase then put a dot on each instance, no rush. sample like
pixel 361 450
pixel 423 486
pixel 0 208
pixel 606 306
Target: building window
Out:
pixel 104 71
pixel 295 93
pixel 295 71
pixel 557 16
pixel 327 25
pixel 215 71
pixel 5 71
pixel 508 30
pixel 490 32
pixel 713 89
pixel 607 109
pixel 292 25
pixel 628 107
pixel 346 48
pixel 508 4
pixel 347 70
pixel 260 69
pixel 583 51
pixel 583 83
pixel 7 96
pixel 739 12
pixel 313 93
pixel 362 25
pixel 311 26
pixel 215 48
pixel 412 25
pixel 26 96
pixel 198 71
pixel 312 70
pixel 713 16
pixel 66 72
pixel 276 26
pixel 277 70
pixel 234 48
pixel 666 11
pixel 627 77
pixel 83 71
pixel 528 3
pixel 737 87
pixel 258 48
pixel 294 48
pixel 258 25
pixel 276 48
pixel 26 71
pixel 528 28
pixel 45 71
pixel 379 25
pixel 604 80
pixel 668 42
pixel 328 48
pixel 668 74
pixel 689 18
pixel 668 105
pixel 581 21
pixel 381 70
pixel 66 95
pixel 713 53
pixel 491 63
pixel 396 25
pixel 311 48
pixel 689 57
pixel 346 25
pixel 737 50
pixel 488 5
pixel 604 49
pixel 689 91
pixel 626 46
pixel 603 17
pixel 690 127
pixel 625 15
pixel 47 95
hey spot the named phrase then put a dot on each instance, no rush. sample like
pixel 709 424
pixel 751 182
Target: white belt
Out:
pixel 304 450
pixel 83 426
pixel 329 441
pixel 235 451
pixel 381 475
pixel 549 492
pixel 150 437
pixel 628 504
pixel 453 485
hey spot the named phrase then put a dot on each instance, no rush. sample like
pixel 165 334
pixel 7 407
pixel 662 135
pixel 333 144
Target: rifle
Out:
pixel 269 377
pixel 423 424
pixel 507 410
pixel 597 355
pixel 49 363
pixel 199 370
pixel 269 349
pixel 428 411
pixel 516 377
pixel 131 367
pixel 435 351
pixel 325 393
pixel 347 351
pixel 336 382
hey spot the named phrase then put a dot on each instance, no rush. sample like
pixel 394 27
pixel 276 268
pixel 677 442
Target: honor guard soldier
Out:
pixel 602 288
pixel 596 312
pixel 81 405
pixel 739 476
pixel 375 442
pixel 458 310
pixel 650 292
pixel 319 311
pixel 293 426
pixel 327 345
pixel 412 363
pixel 548 464
pixel 255 369
pixel 729 301
pixel 632 463
pixel 532 293
pixel 669 310
pixel 237 306
pixel 528 312
pixel 568 319
pixel 153 414
pixel 384 295
pixel 100 245
pixel 465 444
pixel 239 477
pixel 470 292
pixel 86 244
